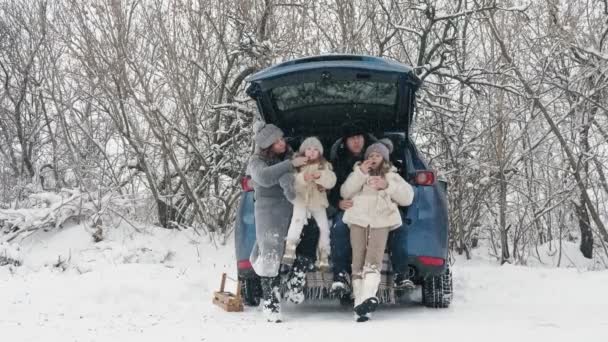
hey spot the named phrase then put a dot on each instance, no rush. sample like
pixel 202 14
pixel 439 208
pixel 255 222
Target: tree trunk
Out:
pixel 586 246
pixel 500 137
pixel 586 233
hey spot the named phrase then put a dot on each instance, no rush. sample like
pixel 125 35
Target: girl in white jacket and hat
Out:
pixel 311 201
pixel 376 190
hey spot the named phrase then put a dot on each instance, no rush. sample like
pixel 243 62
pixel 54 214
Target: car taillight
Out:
pixel 243 264
pixel 431 261
pixel 425 178
pixel 246 184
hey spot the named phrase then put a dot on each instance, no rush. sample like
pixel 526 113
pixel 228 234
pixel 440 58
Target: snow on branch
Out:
pixel 407 29
pixel 235 107
pixel 593 52
pixel 48 211
pixel 464 13
pixel 521 8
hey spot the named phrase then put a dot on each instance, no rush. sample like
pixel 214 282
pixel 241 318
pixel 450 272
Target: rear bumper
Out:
pixel 422 270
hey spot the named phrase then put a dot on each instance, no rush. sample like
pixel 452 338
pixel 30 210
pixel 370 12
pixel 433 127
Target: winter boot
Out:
pixel 297 280
pixel 340 287
pixel 322 260
pixel 290 252
pixel 368 302
pixel 402 281
pixel 357 286
pixel 271 295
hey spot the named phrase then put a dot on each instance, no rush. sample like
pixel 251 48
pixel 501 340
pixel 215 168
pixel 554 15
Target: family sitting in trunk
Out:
pixel 365 192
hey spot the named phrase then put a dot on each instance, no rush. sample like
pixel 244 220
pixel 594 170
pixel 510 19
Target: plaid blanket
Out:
pixel 318 284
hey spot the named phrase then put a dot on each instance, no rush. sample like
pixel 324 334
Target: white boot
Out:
pixel 290 252
pixel 357 290
pixel 357 284
pixel 322 260
pixel 371 282
pixel 369 287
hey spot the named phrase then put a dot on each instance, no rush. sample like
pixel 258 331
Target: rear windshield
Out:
pixel 334 93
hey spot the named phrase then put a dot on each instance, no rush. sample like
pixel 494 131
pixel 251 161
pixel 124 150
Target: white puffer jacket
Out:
pixel 375 208
pixel 307 193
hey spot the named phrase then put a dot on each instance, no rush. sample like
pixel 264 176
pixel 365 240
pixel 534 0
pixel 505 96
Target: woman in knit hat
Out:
pixel 310 201
pixel 272 171
pixel 376 190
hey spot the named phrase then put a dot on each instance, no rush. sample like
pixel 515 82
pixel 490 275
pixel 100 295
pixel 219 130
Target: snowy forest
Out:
pixel 135 110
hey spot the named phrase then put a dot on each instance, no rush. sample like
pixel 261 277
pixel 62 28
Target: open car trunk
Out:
pixel 316 95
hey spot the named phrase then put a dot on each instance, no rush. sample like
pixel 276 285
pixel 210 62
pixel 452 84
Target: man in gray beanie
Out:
pixel 345 152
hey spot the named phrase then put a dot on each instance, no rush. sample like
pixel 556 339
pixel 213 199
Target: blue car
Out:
pixel 315 96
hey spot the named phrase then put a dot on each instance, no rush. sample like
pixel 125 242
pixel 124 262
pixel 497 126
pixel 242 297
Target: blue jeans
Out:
pixel 341 250
pixel 397 247
pixel 339 240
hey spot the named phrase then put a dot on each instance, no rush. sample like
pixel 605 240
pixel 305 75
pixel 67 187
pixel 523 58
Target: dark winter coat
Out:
pixel 271 177
pixel 343 161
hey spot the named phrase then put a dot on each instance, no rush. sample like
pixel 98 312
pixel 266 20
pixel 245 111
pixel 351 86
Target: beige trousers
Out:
pixel 368 246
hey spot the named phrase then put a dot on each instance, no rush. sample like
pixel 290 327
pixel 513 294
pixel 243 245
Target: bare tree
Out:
pixel 124 100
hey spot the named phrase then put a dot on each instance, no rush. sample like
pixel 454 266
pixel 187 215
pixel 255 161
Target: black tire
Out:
pixel 251 291
pixel 437 290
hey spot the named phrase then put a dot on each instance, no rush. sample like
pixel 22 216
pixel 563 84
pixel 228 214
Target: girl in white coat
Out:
pixel 310 201
pixel 376 190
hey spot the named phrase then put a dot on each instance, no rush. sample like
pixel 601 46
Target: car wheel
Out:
pixel 251 291
pixel 437 290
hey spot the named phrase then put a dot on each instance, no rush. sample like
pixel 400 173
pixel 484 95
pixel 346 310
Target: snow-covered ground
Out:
pixel 156 285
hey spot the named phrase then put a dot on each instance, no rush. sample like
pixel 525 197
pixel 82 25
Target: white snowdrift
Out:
pixel 157 286
pixel 567 255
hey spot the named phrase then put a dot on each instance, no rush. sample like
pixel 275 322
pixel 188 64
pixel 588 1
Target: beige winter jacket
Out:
pixel 375 208
pixel 307 193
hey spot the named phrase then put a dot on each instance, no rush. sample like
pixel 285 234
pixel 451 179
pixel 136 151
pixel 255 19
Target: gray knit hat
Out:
pixel 266 134
pixel 311 142
pixel 384 147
